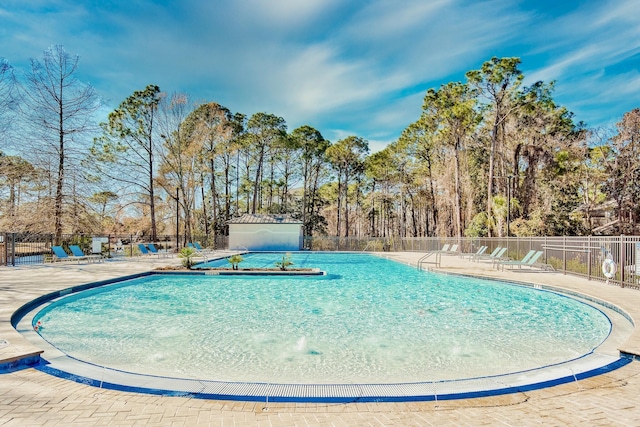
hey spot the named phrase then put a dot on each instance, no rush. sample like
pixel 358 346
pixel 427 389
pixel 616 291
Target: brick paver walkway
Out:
pixel 31 398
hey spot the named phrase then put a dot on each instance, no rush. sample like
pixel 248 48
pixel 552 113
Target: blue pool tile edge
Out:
pixel 20 363
pixel 306 398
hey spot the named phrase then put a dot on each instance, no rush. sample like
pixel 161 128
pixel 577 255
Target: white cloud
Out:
pixel 589 50
pixel 359 67
pixel 284 13
pixel 384 18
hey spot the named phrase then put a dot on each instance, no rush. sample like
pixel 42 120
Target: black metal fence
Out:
pixel 581 256
pixel 26 248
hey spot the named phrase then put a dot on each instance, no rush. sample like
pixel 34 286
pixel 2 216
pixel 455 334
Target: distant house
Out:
pixel 601 216
pixel 265 233
pixel 604 218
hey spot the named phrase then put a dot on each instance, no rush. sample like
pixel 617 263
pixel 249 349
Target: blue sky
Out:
pixel 344 67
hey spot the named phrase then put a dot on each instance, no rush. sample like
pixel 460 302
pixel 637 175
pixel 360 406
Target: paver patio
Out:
pixel 31 398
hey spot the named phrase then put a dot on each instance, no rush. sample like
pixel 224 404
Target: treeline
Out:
pixel 487 156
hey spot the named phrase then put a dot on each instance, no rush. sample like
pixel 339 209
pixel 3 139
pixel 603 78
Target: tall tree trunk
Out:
pixel 58 200
pixel 237 183
pixel 271 179
pixel 346 203
pixel 256 184
pixel 61 157
pixel 305 195
pixel 458 194
pixel 204 206
pixel 227 196
pixel 214 198
pixel 339 204
pixel 414 221
pixel 152 204
pixel 492 155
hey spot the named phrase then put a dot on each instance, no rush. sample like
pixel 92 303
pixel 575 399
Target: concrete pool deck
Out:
pixel 30 397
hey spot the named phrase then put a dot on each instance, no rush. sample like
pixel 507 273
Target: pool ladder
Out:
pixel 424 259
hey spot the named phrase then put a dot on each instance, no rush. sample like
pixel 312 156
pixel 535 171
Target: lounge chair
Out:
pixel 199 251
pixel 532 261
pixel 59 254
pixel 491 256
pixel 445 248
pixel 481 250
pixel 155 251
pixel 448 249
pixel 200 248
pixel 78 253
pixel 524 259
pixel 143 249
pixel 501 256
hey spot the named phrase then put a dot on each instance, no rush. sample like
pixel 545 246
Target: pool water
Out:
pixel 369 320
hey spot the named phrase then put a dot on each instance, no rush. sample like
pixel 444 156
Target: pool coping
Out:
pixel 63 366
pixel 105 378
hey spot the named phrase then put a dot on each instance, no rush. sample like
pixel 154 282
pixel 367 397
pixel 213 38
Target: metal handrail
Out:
pixel 423 259
pixel 567 248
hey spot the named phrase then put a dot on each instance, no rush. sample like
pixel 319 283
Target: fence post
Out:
pixel 13 249
pixel 589 257
pixel 3 253
pixel 622 257
pixel 564 254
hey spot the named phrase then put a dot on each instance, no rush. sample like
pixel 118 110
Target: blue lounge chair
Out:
pixel 155 251
pixel 143 249
pixel 61 255
pixel 200 249
pixel 78 253
pixel 198 252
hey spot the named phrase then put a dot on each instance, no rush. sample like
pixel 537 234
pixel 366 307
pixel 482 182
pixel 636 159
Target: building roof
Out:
pixel 264 219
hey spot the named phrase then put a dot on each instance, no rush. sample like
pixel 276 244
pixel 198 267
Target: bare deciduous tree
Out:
pixel 59 111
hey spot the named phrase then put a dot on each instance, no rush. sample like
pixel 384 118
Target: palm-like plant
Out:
pixel 234 260
pixel 187 254
pixel 286 262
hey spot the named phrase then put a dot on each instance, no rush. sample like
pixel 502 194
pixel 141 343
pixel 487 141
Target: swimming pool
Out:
pixel 368 321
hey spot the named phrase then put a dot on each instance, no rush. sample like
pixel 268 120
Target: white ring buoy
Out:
pixel 609 268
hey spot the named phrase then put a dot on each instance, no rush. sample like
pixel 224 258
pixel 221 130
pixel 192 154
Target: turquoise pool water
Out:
pixel 370 320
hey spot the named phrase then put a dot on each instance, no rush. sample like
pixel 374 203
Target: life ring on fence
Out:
pixel 609 268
